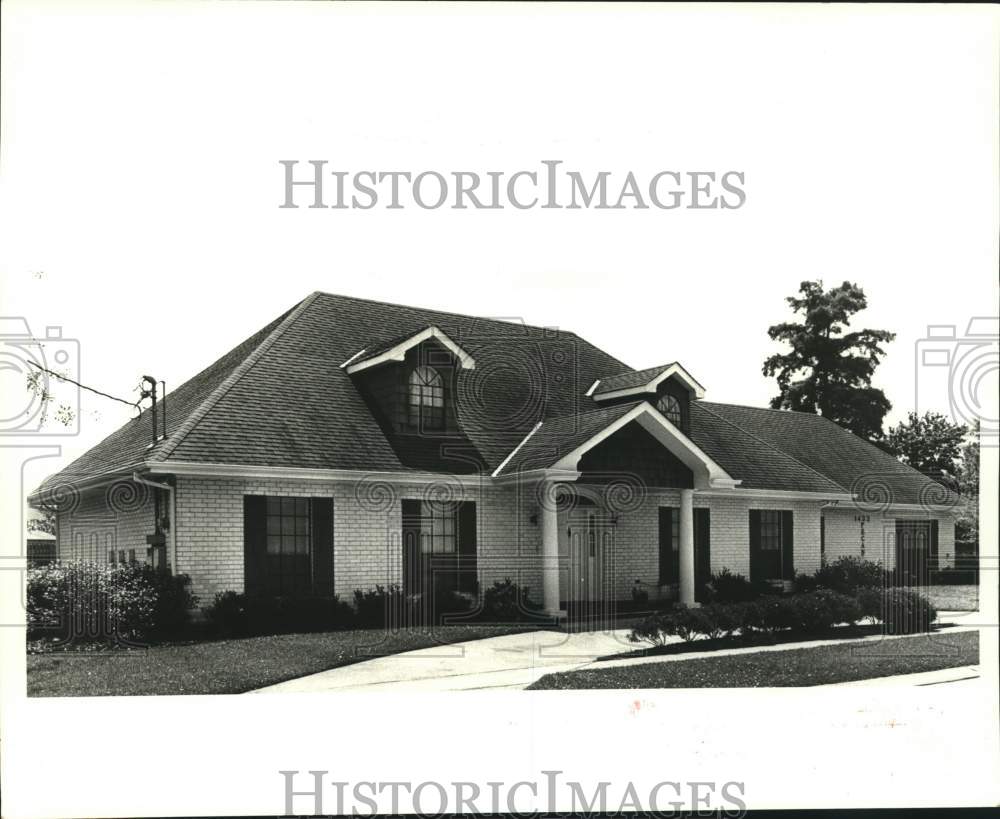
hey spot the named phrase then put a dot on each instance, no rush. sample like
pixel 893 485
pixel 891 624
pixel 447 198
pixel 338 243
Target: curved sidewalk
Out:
pixel 515 661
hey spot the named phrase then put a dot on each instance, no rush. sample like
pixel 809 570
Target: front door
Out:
pixel 588 540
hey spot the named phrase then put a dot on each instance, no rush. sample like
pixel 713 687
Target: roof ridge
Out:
pixel 195 417
pixel 771 446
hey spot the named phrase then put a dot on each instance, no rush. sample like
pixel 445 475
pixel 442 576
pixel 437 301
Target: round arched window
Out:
pixel 426 398
pixel 671 408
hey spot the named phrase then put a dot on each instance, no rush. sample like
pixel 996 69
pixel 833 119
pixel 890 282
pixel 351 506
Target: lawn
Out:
pixel 793 667
pixel 952 598
pixel 227 666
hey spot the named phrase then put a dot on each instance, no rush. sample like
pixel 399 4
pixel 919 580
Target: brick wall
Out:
pixel 116 518
pixel 872 535
pixel 367 531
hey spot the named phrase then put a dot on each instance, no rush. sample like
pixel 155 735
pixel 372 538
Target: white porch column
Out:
pixel 687 547
pixel 550 548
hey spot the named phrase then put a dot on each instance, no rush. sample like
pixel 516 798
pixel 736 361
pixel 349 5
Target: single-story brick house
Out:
pixel 351 443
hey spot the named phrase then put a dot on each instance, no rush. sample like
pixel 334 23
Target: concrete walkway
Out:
pixel 515 661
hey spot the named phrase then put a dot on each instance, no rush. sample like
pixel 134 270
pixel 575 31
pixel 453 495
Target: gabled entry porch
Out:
pixel 637 453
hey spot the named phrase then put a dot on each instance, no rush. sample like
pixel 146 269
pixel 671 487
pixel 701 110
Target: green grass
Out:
pixel 792 667
pixel 227 666
pixel 952 598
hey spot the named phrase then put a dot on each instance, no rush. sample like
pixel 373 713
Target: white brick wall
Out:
pixel 367 532
pixel 844 530
pixel 116 518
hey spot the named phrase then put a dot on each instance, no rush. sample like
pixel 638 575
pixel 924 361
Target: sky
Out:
pixel 140 177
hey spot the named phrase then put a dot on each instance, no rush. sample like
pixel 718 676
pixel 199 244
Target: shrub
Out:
pixel 233 614
pixel 906 612
pixel 870 603
pixel 805 583
pixel 727 618
pixel 654 629
pixel 427 609
pixel 379 607
pixel 727 587
pixel 769 615
pixel 848 573
pixel 100 602
pixel 820 610
pixel 507 602
pixel 690 622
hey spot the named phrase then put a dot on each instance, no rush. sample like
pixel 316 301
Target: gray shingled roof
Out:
pixel 557 437
pixel 281 399
pixel 858 466
pixel 628 380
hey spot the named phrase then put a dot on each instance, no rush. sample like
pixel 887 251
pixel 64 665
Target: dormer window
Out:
pixel 671 409
pixel 426 398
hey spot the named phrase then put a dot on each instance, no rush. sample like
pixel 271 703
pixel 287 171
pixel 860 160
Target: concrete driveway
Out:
pixel 509 661
pixel 515 661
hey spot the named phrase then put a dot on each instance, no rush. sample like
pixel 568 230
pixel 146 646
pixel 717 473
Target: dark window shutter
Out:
pixel 702 551
pixel 932 559
pixel 254 543
pixel 467 547
pixel 669 557
pixel 755 553
pixel 787 547
pixel 322 545
pixel 411 547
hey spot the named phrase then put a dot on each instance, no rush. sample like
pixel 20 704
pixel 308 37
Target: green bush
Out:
pixel 848 573
pixel 507 602
pixel 82 602
pixel 727 587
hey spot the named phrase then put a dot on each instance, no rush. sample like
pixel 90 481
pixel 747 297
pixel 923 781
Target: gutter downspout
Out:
pixel 171 514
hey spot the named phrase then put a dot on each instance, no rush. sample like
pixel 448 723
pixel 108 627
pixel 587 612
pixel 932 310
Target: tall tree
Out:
pixel 827 370
pixel 929 443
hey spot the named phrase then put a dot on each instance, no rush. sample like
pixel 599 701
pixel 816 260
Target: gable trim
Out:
pixel 707 473
pixel 674 369
pixel 398 353
pixel 516 449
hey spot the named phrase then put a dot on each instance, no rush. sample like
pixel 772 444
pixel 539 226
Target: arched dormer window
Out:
pixel 671 408
pixel 426 398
